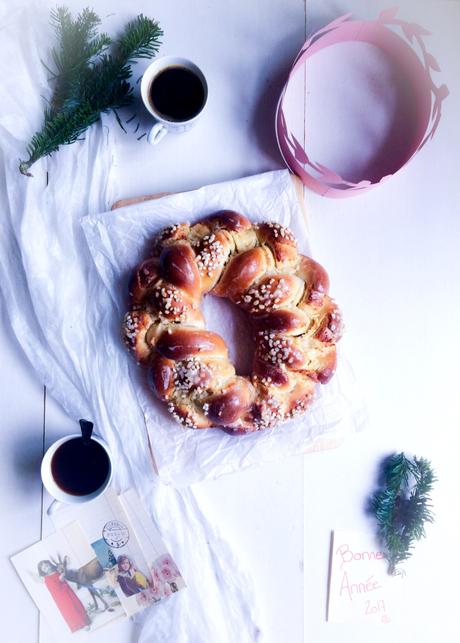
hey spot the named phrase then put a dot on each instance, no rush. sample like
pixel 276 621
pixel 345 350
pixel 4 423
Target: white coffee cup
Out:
pixel 164 124
pixel 53 487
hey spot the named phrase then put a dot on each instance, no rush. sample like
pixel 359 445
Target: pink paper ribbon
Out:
pixel 409 52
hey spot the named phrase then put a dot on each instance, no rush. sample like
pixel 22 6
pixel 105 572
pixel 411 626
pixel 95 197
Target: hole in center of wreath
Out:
pixel 231 323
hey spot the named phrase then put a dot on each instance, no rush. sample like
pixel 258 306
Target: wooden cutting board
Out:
pixel 298 186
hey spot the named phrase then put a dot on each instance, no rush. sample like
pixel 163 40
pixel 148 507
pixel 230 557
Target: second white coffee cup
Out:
pixel 72 475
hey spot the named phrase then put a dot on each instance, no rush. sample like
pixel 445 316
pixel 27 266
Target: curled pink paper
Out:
pixel 408 51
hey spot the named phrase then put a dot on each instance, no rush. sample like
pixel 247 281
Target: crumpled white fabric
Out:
pixel 63 317
pixel 118 241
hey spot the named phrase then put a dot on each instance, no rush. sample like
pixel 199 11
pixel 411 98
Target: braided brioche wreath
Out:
pixel 295 323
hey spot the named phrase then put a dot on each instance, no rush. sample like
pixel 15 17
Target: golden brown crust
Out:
pixel 228 220
pixel 241 272
pixel 316 281
pixel 184 343
pixel 295 323
pixel 178 266
pixel 226 408
pixel 145 277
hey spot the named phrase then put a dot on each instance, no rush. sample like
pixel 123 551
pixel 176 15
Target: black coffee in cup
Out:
pixel 80 467
pixel 177 93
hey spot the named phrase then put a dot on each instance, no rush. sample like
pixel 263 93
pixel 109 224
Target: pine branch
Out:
pixel 88 78
pixel 105 85
pixel 402 506
pixel 79 43
pixel 140 40
pixel 63 126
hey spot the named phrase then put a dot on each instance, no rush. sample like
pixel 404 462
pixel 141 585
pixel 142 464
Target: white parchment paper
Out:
pixel 118 241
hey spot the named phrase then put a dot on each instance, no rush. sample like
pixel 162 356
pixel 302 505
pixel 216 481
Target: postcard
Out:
pixel 360 589
pixel 68 583
pixel 128 546
pixel 166 578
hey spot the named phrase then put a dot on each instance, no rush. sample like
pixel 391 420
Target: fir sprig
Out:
pixel 90 76
pixel 79 44
pixel 62 128
pixel 137 41
pixel 402 506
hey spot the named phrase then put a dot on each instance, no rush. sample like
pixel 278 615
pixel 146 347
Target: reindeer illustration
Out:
pixel 84 576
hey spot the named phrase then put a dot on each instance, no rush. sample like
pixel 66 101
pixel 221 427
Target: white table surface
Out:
pixel 392 256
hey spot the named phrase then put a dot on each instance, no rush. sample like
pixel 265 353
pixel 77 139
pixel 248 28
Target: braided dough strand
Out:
pixel 295 323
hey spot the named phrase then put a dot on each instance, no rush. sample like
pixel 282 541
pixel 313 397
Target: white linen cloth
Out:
pixel 60 312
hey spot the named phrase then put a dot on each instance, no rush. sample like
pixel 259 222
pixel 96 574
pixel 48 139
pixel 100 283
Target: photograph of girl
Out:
pixel 131 580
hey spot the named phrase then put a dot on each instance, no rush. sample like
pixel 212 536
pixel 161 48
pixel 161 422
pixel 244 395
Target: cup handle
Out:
pixel 156 134
pixel 54 506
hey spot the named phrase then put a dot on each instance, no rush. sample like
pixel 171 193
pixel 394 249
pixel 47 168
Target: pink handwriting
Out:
pixel 352 589
pixel 348 556
pixel 375 608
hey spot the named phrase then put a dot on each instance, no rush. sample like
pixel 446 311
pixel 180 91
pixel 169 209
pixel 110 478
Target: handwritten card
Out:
pixel 360 589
